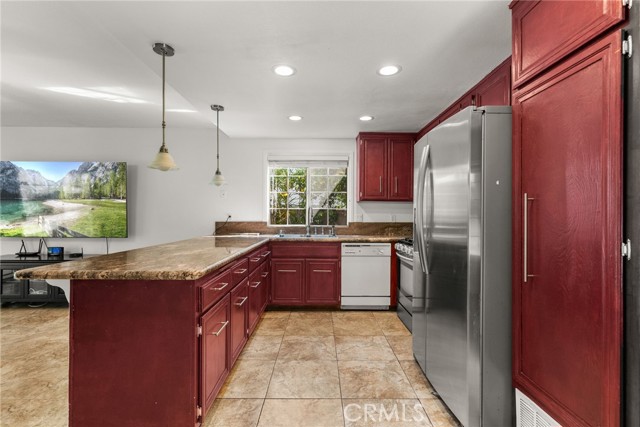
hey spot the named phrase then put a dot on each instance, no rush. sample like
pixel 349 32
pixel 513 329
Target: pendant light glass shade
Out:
pixel 163 160
pixel 218 179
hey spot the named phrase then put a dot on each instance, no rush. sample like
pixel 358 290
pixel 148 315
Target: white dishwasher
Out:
pixel 366 276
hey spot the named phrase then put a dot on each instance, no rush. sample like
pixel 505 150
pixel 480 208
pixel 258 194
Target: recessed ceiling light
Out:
pixel 366 118
pixel 284 70
pixel 295 118
pixel 389 70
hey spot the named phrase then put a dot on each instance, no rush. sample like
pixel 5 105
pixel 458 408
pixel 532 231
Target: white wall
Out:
pixel 163 206
pixel 169 206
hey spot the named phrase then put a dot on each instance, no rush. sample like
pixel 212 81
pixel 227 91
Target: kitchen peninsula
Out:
pixel 154 332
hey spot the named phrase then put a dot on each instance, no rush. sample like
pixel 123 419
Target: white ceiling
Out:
pixel 224 54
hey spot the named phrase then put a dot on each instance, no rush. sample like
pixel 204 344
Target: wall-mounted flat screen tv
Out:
pixel 63 199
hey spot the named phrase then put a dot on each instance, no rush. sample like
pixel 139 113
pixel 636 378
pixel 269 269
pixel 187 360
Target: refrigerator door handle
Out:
pixel 422 176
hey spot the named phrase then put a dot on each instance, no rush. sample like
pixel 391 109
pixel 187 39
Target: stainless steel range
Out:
pixel 404 252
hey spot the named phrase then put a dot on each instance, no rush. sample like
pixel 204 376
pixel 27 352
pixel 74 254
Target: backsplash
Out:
pixel 399 229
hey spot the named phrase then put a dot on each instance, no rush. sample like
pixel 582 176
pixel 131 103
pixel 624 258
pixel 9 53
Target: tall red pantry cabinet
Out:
pixel 567 159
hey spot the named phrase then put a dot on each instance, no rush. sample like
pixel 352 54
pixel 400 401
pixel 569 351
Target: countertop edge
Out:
pixel 47 272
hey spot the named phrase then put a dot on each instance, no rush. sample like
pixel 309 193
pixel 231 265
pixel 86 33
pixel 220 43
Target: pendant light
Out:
pixel 163 160
pixel 218 179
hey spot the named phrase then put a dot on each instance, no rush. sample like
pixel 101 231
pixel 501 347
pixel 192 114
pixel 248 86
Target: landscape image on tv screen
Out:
pixel 63 199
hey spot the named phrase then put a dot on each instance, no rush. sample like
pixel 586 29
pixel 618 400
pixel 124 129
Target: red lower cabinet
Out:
pixel 265 290
pixel 288 276
pixel 239 315
pixel 214 349
pixel 323 282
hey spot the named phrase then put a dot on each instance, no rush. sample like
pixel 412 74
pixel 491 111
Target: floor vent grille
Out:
pixel 528 414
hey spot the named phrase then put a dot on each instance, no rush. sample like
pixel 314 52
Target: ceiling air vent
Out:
pixel 528 414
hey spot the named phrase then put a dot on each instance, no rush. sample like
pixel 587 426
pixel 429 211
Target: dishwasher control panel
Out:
pixel 366 249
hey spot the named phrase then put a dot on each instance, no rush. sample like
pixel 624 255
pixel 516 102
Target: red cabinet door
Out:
pixel 287 277
pixel 546 31
pixel 239 315
pixel 323 282
pixel 256 286
pixel 372 158
pixel 567 236
pixel 400 169
pixel 495 89
pixel 214 351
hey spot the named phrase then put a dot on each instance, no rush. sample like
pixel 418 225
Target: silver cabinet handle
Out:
pixel 266 254
pixel 256 284
pixel 265 274
pixel 240 304
pixel 380 184
pixel 255 259
pixel 241 271
pixel 224 325
pixel 287 271
pixel 322 271
pixel 525 237
pixel 224 285
pixel 395 178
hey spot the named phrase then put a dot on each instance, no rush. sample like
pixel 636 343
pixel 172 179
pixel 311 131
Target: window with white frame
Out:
pixel 298 189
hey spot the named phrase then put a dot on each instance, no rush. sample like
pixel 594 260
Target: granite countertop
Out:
pixel 184 260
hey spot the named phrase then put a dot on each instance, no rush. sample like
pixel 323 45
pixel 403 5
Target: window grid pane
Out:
pixel 293 189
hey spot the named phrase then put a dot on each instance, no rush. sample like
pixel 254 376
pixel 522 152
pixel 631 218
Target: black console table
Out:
pixel 30 291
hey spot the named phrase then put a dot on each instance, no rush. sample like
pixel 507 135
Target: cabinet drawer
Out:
pixel 215 289
pixel 305 250
pixel 239 271
pixel 255 259
pixel 546 31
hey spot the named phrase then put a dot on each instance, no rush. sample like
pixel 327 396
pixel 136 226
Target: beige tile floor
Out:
pixel 299 369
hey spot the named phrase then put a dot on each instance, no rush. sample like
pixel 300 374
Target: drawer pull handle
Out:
pixel 224 285
pixel 241 271
pixel 255 285
pixel 287 271
pixel 255 259
pixel 266 254
pixel 265 274
pixel 322 271
pixel 224 325
pixel 240 304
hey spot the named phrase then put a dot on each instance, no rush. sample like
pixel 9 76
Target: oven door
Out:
pixel 405 281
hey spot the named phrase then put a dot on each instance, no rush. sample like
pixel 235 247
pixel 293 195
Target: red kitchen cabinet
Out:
pixel 495 89
pixel 546 31
pixel 373 168
pixel 385 163
pixel 323 282
pixel 567 278
pixel 286 286
pixel 239 317
pixel 266 287
pixel 305 274
pixel 214 350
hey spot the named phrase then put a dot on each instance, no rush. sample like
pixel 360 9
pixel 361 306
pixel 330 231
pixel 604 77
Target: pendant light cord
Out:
pixel 164 124
pixel 217 140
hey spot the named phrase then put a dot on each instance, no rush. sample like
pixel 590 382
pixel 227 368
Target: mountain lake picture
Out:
pixel 63 199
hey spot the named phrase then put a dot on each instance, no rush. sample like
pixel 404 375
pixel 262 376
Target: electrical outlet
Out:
pixel 393 218
pixel 359 217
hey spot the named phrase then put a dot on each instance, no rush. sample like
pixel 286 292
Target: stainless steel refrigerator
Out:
pixel 462 264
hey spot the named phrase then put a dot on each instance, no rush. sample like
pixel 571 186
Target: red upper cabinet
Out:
pixel 372 157
pixel 546 31
pixel 495 89
pixel 385 162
